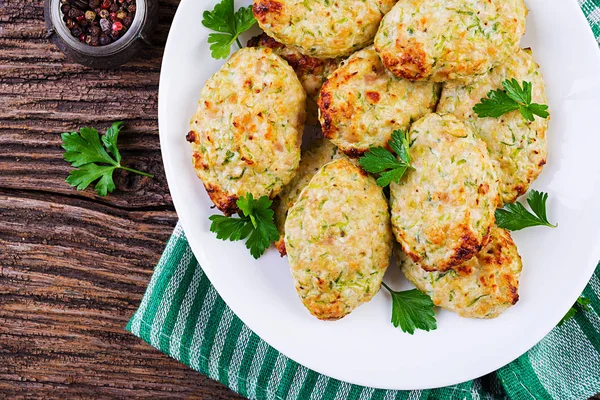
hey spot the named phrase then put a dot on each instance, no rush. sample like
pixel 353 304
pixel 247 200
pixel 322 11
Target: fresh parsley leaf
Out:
pixel 84 148
pixel 412 309
pixel 583 302
pixel 254 224
pixel 90 156
pixel 82 177
pixel 390 167
pixel 110 140
pixel 570 314
pixel 515 216
pixel 229 24
pixel 244 19
pixel 515 92
pixel 513 97
pixel 220 44
pixel 496 104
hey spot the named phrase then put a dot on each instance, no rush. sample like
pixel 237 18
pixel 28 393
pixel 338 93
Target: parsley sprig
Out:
pixel 229 24
pixel 515 217
pixel 583 303
pixel 94 159
pixel 379 160
pixel 255 224
pixel 513 97
pixel 412 309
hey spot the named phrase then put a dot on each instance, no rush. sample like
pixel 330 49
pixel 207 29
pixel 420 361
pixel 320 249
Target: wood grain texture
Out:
pixel 73 266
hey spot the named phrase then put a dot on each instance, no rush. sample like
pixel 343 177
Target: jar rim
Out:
pixel 60 28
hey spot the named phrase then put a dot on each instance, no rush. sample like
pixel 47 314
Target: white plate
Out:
pixel 364 348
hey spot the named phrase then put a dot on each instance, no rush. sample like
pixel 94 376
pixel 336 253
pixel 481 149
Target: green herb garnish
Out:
pixel 513 97
pixel 255 224
pixel 93 159
pixel 584 302
pixel 379 160
pixel 229 24
pixel 515 217
pixel 412 309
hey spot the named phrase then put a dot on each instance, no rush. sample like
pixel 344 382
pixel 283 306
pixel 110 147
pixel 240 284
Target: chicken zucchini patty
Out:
pixel 320 152
pixel 443 40
pixel 248 126
pixel 517 146
pixel 322 28
pixel 443 209
pixel 311 71
pixel 362 103
pixel 338 239
pixel 483 287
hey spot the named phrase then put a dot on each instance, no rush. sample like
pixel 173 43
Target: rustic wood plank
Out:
pixel 74 266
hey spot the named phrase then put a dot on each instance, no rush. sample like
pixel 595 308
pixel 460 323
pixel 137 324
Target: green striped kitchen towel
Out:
pixel 591 9
pixel 182 315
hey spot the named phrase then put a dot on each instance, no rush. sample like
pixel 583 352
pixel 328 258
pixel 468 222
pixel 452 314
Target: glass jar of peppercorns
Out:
pixel 100 33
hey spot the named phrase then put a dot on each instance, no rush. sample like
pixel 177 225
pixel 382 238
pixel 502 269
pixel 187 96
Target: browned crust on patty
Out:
pixel 409 62
pixel 495 255
pixel 227 204
pixel 263 8
pixel 191 136
pixel 301 63
pixel 280 245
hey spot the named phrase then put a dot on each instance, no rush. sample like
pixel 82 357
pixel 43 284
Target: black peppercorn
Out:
pixel 95 31
pixel 76 31
pixel 104 40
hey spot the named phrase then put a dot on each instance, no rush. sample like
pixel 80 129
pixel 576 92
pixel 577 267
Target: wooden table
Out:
pixel 74 266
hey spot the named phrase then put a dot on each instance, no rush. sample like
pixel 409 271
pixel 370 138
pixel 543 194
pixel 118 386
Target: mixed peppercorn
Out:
pixel 98 22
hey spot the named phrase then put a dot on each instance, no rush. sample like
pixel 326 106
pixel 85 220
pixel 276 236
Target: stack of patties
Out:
pixel 370 68
pixel 443 211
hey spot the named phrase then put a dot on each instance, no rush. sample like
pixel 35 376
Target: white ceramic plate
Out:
pixel 364 348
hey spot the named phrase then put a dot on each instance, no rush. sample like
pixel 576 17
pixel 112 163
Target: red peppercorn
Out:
pixel 113 16
pixel 82 38
pixel 80 18
pixel 106 4
pixel 117 26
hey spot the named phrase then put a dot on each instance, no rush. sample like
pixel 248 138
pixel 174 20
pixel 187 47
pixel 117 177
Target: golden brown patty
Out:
pixel 338 239
pixel 311 71
pixel 319 153
pixel 322 28
pixel 247 129
pixel 362 103
pixel 482 287
pixel 443 40
pixel 517 146
pixel 443 210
